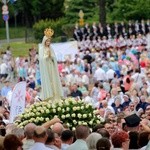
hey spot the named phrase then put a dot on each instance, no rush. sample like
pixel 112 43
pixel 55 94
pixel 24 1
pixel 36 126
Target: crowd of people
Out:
pixel 111 72
pixel 111 31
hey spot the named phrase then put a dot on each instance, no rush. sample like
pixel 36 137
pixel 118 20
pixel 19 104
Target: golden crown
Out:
pixel 49 32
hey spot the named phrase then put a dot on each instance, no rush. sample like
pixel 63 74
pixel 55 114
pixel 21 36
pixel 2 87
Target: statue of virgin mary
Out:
pixel 50 79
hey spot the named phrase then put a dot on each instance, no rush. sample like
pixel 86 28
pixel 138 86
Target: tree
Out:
pixel 102 12
pixel 32 11
pixel 89 7
pixel 130 10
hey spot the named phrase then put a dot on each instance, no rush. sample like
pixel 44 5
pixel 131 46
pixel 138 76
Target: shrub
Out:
pixel 40 26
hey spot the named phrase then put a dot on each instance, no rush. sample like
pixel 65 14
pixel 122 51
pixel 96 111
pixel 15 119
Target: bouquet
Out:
pixel 70 112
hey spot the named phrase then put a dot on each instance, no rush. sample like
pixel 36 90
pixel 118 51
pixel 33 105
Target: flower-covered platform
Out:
pixel 70 112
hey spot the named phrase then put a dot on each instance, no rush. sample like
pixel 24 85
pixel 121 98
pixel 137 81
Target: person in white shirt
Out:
pixel 110 74
pixel 137 76
pixel 77 77
pixel 107 109
pixel 85 79
pixel 3 70
pixel 100 74
pixel 70 78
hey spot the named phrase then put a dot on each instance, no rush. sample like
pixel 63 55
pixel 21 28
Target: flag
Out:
pixel 17 101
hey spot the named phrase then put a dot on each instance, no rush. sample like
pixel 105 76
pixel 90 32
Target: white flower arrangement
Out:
pixel 70 112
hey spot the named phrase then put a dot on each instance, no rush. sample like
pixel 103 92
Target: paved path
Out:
pixel 13 40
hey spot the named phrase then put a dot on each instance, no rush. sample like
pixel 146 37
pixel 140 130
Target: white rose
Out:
pixel 74 122
pixel 68 115
pixel 91 122
pixel 73 115
pixel 79 115
pixel 90 115
pixel 20 115
pixel 47 119
pixel 44 104
pixel 80 101
pixel 79 123
pixel 59 109
pixel 25 110
pixel 54 110
pixel 97 121
pixel 39 108
pixel 34 110
pixel 68 124
pixel 38 118
pixel 84 115
pixel 42 111
pixel 21 127
pixel 32 106
pixel 84 123
pixel 67 103
pixel 37 113
pixel 32 119
pixel 91 129
pixel 67 108
pixel 74 102
pixel 26 122
pixel 48 106
pixel 53 106
pixel 36 121
pixel 32 114
pixel 28 110
pixel 63 110
pixel 47 111
pixel 44 108
pixel 87 106
pixel 78 108
pixel 82 107
pixel 101 119
pixel 63 116
pixel 73 129
pixel 37 104
pixel 74 108
pixel 95 111
pixel 41 119
pixel 60 104
pixel 28 115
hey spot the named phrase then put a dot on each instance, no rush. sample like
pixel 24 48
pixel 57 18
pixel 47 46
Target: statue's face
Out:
pixel 47 42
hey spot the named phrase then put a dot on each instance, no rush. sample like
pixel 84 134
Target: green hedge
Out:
pixel 40 26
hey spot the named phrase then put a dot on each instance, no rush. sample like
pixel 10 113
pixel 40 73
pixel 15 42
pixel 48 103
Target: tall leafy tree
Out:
pixel 34 10
pixel 89 7
pixel 102 12
pixel 130 9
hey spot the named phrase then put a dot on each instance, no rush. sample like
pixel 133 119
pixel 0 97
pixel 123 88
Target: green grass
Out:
pixel 19 48
pixel 18 32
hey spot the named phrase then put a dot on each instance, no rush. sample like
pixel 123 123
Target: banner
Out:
pixel 18 100
pixel 65 50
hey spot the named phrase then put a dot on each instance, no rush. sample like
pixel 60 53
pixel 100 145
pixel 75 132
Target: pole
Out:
pixel 6 23
pixel 7 30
